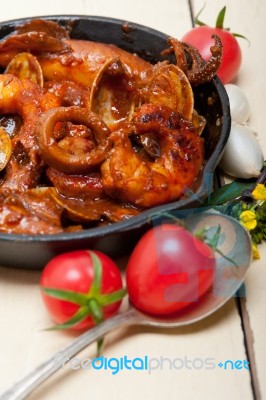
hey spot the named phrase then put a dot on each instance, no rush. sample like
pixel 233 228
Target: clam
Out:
pixel 113 96
pixel 169 86
pixel 5 148
pixel 26 66
pixel 89 210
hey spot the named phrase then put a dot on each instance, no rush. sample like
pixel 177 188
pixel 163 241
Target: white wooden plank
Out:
pixel 255 306
pixel 24 344
pixel 247 17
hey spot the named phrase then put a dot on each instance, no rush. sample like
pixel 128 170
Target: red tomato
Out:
pixel 75 272
pixel 201 38
pixel 168 270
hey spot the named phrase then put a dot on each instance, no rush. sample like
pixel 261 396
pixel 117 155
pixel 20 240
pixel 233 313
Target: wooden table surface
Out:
pixel 236 332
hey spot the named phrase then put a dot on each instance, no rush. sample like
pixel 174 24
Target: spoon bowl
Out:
pixel 235 246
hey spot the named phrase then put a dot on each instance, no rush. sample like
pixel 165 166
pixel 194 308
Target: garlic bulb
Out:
pixel 239 105
pixel 243 157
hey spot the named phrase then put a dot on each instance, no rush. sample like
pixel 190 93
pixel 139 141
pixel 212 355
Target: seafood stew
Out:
pixel 75 183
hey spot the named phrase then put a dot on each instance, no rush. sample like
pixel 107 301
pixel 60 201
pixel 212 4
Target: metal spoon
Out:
pixel 234 243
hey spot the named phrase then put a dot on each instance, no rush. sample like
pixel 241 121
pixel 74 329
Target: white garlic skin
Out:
pixel 243 156
pixel 239 104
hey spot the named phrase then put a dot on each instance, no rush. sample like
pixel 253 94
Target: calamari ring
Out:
pixel 58 158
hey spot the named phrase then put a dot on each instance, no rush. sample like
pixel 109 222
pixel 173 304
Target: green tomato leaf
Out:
pixel 96 285
pixel 220 18
pixel 229 192
pixel 213 241
pixel 241 36
pixel 80 315
pixel 196 20
pixel 111 298
pixel 73 297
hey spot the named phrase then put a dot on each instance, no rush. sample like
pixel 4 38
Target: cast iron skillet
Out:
pixel 211 101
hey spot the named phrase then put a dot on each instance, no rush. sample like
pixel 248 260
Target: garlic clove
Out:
pixel 239 104
pixel 243 156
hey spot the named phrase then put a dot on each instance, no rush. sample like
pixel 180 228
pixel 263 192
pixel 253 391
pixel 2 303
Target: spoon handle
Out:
pixel 38 375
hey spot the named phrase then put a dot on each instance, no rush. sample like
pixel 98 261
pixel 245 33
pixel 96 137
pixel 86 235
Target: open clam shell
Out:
pixel 113 96
pixel 87 209
pixel 26 66
pixel 170 86
pixel 5 148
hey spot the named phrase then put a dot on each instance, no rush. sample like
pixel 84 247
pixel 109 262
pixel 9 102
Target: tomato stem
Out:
pixel 99 346
pixel 213 241
pixel 219 22
pixel 96 311
pixel 98 317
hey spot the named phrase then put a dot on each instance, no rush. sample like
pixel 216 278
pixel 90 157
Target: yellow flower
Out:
pixel 259 193
pixel 248 219
pixel 255 251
